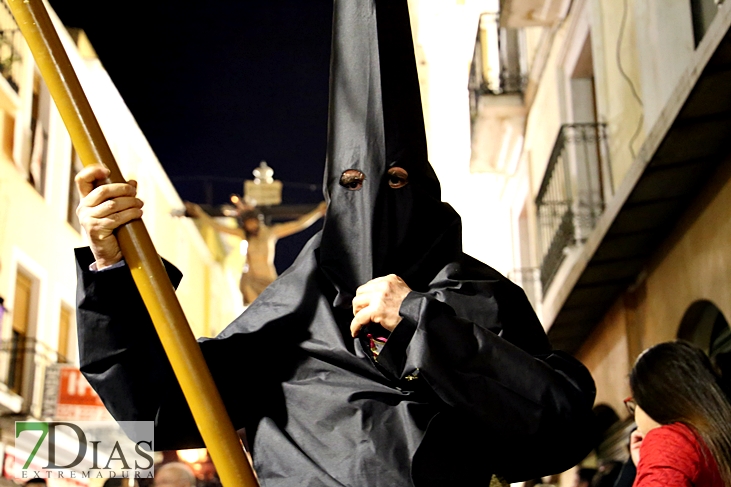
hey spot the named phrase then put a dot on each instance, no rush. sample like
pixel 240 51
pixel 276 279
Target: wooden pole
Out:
pixel 149 274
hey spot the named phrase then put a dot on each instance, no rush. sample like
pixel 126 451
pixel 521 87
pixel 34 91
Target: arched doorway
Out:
pixel 705 326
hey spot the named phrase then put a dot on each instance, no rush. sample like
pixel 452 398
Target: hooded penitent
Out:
pixel 385 214
pixel 465 386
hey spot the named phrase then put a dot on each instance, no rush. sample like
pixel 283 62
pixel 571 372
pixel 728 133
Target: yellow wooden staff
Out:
pixel 147 269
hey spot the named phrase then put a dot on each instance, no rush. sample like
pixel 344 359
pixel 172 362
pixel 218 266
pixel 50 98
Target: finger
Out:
pixel 382 283
pixel 133 183
pixel 100 228
pixel 361 319
pixel 116 220
pixel 386 278
pixel 114 206
pixel 379 280
pixel 108 191
pixel 89 177
pixel 360 302
pixel 362 289
pixel 370 286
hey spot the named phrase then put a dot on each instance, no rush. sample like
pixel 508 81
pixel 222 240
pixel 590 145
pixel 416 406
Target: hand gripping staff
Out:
pixel 147 270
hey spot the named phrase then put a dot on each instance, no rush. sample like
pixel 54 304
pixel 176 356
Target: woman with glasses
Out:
pixel 683 416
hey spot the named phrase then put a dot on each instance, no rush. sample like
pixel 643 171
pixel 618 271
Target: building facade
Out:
pixel 39 229
pixel 619 183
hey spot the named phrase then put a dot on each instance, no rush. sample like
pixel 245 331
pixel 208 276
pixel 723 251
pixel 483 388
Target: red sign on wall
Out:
pixel 74 389
pixel 69 397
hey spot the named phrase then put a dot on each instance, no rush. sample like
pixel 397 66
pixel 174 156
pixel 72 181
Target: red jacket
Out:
pixel 674 455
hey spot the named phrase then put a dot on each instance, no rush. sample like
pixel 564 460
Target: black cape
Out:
pixel 466 385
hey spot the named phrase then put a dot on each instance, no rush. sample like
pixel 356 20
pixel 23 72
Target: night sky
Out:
pixel 218 86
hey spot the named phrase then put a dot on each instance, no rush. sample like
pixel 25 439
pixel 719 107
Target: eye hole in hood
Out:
pixel 397 177
pixel 352 179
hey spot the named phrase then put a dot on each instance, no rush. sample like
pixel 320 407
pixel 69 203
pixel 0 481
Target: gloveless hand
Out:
pixel 102 209
pixel 379 301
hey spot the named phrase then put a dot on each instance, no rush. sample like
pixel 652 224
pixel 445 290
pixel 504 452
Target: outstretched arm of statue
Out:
pixel 282 230
pixel 196 211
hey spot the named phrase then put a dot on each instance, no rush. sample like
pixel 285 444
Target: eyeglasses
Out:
pixel 630 404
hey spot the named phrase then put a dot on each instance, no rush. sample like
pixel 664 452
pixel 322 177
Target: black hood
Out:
pixel 375 124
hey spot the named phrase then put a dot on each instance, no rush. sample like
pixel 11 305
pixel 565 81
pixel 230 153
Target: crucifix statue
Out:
pixel 259 238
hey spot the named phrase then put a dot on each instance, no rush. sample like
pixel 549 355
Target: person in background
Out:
pixel 628 472
pixel 174 474
pixel 125 482
pixel 683 417
pixel 584 476
pixel 606 474
pixel 3 309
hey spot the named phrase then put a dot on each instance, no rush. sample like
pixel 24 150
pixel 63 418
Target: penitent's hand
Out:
pixel 379 301
pixel 103 208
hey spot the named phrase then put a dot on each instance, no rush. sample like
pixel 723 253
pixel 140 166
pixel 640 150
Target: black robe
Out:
pixel 466 385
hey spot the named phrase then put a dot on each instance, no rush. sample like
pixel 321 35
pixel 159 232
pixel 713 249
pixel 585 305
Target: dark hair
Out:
pixel 675 382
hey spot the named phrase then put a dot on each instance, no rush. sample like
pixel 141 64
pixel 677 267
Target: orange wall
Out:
pixel 694 263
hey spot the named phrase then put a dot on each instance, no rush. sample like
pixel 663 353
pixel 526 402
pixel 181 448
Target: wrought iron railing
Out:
pixel 528 278
pixel 23 362
pixel 498 63
pixel 11 47
pixel 572 194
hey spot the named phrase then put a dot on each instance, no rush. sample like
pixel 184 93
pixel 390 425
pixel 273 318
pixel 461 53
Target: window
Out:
pixel 577 180
pixel 586 157
pixel 11 45
pixel 64 328
pixel 8 133
pixel 703 12
pixel 582 100
pixel 22 308
pixel 40 114
pixel 74 197
pixel 705 326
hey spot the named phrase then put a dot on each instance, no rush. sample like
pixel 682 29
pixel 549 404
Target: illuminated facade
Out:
pixel 607 121
pixel 583 143
pixel 39 230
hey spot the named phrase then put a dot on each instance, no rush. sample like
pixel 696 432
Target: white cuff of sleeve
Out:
pixel 93 268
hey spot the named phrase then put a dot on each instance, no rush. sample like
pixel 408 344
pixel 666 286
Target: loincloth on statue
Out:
pixel 254 283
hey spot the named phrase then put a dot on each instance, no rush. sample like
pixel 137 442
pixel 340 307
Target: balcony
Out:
pixel 677 171
pixel 498 76
pixel 571 197
pixel 11 45
pixel 498 62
